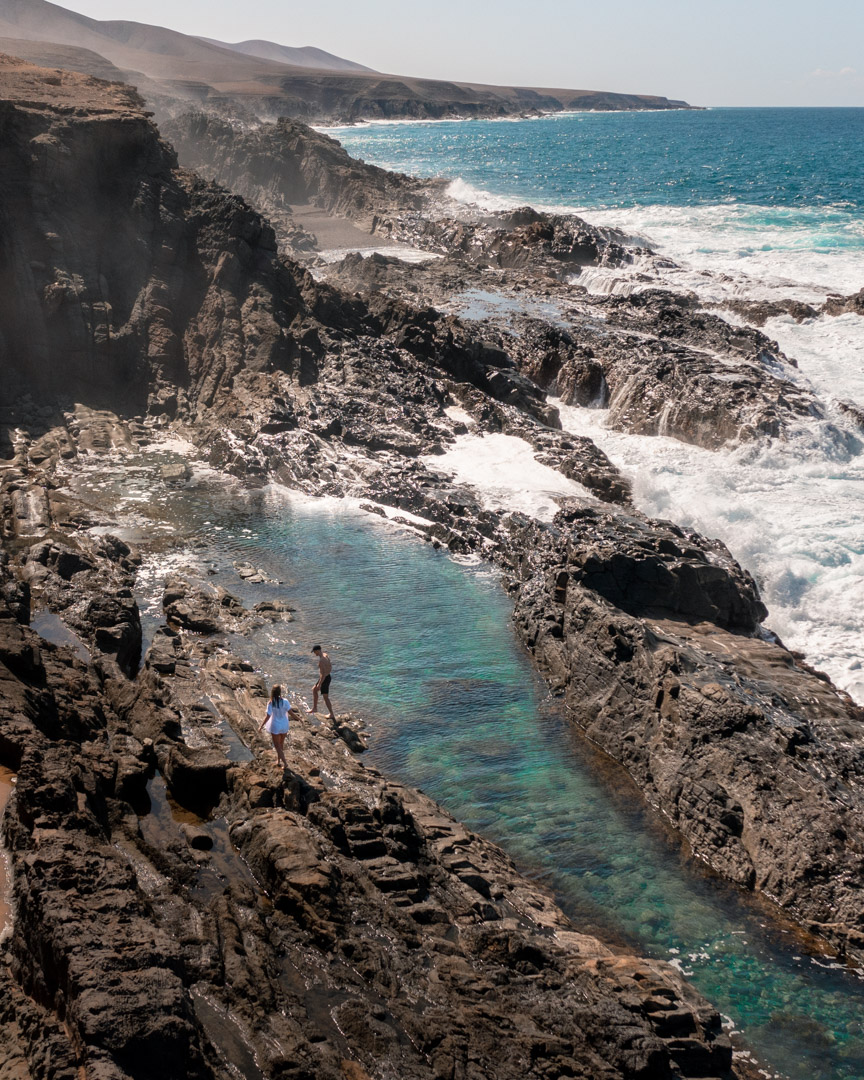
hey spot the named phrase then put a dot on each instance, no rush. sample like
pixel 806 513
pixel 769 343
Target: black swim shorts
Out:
pixel 325 684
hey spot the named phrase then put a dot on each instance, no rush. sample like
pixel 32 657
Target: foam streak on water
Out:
pixel 506 474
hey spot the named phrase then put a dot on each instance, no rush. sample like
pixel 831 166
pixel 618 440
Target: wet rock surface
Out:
pixel 725 732
pixel 246 954
pixel 325 922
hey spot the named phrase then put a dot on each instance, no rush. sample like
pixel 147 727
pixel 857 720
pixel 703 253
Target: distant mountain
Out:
pixel 306 57
pixel 154 50
pixel 264 79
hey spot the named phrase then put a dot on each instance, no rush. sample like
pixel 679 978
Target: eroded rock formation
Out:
pixel 136 290
pixel 347 928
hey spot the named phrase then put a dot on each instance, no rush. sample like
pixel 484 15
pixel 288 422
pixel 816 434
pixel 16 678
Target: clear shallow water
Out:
pixel 423 649
pixel 752 203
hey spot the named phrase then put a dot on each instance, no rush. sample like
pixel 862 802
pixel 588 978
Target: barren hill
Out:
pixel 306 57
pixel 267 79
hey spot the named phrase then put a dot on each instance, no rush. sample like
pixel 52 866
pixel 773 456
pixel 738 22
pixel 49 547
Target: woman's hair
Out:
pixel 276 694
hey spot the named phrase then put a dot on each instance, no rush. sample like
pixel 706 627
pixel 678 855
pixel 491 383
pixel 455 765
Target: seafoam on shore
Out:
pixel 790 512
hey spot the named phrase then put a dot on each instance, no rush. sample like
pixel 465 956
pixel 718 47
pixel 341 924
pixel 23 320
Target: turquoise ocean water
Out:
pixel 767 157
pixel 794 175
pixel 748 204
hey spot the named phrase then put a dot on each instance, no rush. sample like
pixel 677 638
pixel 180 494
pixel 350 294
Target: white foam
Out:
pixel 791 512
pixel 460 415
pixel 731 250
pixel 393 512
pixel 170 444
pixel 349 504
pixel 722 251
pixel 403 254
pixel 463 192
pixel 506 475
pixel 829 351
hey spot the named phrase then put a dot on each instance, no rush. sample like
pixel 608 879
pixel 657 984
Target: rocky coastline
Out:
pixel 358 930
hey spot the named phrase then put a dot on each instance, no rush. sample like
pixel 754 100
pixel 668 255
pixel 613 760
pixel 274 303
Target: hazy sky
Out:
pixel 736 52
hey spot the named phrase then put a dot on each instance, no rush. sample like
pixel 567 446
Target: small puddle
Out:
pixel 164 812
pixel 53 629
pixel 235 749
pixel 477 304
pixel 223 864
pixel 7 782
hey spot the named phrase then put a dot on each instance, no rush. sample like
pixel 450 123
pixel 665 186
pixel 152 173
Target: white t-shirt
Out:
pixel 278 722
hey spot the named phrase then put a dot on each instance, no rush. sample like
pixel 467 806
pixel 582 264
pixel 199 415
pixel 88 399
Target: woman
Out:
pixel 276 721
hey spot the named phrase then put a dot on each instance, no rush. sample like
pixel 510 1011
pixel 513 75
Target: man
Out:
pixel 325 667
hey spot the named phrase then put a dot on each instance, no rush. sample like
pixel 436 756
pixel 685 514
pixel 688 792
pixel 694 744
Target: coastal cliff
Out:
pixel 147 938
pixel 143 300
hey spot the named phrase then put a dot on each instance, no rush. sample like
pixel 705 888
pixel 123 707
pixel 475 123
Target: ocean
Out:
pixel 748 204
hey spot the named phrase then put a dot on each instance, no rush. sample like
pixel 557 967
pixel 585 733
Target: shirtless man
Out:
pixel 325 667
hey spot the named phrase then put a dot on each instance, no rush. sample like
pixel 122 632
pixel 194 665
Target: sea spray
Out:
pixel 791 512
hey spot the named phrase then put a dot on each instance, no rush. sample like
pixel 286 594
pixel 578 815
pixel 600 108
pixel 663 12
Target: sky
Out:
pixel 737 52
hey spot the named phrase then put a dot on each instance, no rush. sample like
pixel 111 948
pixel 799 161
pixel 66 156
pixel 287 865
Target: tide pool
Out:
pixel 423 649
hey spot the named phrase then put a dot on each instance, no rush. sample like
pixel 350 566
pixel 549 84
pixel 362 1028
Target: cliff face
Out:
pixel 124 277
pixel 280 165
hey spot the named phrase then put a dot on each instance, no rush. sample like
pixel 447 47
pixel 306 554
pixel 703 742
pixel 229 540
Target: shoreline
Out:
pixel 542 114
pixel 357 382
pixel 300 835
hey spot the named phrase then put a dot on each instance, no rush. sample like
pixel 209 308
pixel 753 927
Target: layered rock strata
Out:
pixel 133 283
pixel 754 758
pixel 325 921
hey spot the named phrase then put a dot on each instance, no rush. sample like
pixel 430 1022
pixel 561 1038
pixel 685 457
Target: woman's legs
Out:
pixel 279 743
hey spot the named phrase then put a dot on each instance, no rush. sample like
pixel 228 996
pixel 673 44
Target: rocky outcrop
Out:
pixel 657 363
pixel 660 364
pixel 280 165
pixel 177 309
pixel 150 284
pixel 759 312
pixel 661 367
pixel 754 758
pixel 347 927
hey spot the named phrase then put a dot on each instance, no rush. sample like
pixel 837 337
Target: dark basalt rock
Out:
pixel 724 732
pixel 375 894
pixel 196 778
pixel 644 566
pixel 842 305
